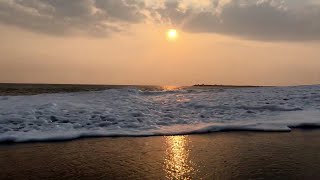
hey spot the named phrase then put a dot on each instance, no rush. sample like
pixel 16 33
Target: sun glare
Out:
pixel 172 34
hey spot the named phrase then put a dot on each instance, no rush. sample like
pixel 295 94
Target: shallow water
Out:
pixel 225 155
pixel 138 111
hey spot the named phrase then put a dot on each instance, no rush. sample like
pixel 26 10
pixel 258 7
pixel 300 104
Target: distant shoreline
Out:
pixel 227 86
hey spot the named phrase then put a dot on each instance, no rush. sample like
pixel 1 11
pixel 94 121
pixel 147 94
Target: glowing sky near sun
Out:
pixel 271 42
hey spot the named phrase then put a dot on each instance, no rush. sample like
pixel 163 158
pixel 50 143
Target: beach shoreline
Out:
pixel 225 151
pixel 223 155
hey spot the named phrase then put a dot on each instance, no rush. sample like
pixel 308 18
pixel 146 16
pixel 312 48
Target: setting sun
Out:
pixel 172 34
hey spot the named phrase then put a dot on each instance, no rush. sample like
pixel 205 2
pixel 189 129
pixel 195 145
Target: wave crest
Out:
pixel 136 112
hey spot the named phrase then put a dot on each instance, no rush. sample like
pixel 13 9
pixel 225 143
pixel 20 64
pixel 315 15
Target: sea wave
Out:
pixel 135 112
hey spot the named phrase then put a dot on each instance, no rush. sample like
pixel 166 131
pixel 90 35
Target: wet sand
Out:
pixel 225 155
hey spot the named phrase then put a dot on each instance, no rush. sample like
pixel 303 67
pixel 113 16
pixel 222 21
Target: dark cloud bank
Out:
pixel 251 19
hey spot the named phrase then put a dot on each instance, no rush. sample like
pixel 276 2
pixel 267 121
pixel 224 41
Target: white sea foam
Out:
pixel 133 112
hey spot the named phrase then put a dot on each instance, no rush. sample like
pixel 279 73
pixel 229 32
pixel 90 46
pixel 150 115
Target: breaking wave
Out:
pixel 136 112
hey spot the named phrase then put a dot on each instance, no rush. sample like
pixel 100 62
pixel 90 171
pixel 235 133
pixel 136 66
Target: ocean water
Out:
pixel 136 111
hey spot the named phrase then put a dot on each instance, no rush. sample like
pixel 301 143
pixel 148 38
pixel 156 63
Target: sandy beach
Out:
pixel 225 155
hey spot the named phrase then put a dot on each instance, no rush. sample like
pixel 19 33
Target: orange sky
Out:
pixel 143 55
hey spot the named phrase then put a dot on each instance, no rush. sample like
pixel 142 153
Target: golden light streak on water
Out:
pixel 177 163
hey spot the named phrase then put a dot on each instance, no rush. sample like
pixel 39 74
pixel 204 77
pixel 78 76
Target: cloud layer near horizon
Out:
pixel 287 20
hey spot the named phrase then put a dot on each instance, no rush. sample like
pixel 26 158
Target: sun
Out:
pixel 172 34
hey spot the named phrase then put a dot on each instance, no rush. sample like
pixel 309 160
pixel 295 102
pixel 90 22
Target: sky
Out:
pixel 240 42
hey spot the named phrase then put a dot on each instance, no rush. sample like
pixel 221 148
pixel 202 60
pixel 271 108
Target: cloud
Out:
pixel 97 17
pixel 287 20
pixel 250 19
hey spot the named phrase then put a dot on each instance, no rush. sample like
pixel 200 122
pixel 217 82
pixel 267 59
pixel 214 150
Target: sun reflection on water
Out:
pixel 177 163
pixel 170 88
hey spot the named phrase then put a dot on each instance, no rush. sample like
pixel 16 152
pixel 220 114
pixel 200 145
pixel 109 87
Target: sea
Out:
pixel 157 111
